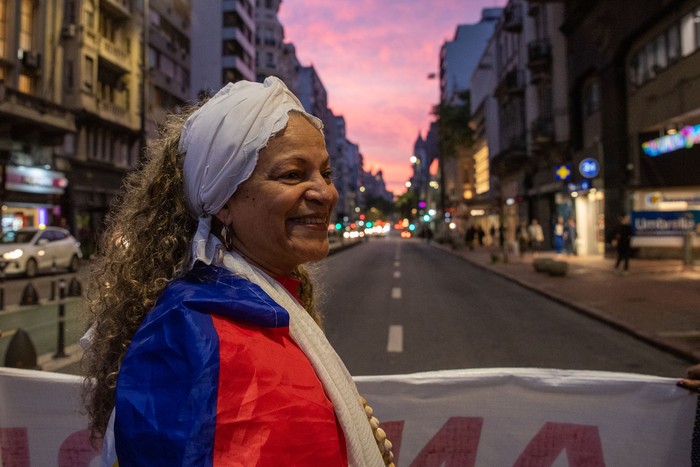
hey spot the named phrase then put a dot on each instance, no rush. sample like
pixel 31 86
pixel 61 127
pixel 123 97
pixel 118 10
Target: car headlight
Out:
pixel 14 254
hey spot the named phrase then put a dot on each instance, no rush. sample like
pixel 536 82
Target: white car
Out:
pixel 32 250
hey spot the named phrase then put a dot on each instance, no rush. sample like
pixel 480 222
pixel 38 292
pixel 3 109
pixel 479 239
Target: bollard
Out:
pixel 29 296
pixel 688 248
pixel 61 344
pixel 52 296
pixel 21 352
pixel 3 265
pixel 74 288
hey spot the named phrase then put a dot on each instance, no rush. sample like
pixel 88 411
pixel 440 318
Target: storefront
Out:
pixel 666 209
pixel 664 128
pixel 588 205
pixel 33 197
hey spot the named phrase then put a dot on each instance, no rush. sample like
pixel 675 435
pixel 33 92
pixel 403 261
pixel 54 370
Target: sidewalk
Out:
pixel 658 301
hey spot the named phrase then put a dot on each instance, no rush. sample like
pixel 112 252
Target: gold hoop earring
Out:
pixel 227 237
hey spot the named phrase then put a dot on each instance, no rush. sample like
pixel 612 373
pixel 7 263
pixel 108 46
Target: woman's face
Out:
pixel 279 216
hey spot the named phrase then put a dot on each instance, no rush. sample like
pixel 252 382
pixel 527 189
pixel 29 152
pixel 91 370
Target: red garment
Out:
pixel 212 377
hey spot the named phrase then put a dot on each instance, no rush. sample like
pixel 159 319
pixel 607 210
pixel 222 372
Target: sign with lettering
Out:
pixel 685 138
pixel 468 418
pixel 589 168
pixel 34 180
pixel 664 223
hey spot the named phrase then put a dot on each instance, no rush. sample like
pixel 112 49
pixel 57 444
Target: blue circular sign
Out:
pixel 589 168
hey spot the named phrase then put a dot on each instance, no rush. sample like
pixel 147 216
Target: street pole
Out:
pixel 144 80
pixel 61 344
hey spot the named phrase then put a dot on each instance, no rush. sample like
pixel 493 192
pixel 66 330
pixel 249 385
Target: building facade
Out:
pixel 167 86
pixel 34 117
pixel 632 94
pixel 223 34
pixel 458 59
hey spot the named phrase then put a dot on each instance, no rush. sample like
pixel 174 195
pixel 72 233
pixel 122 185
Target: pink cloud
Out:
pixel 373 57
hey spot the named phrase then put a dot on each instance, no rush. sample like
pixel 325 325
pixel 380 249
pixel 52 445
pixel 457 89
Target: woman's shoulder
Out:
pixel 211 290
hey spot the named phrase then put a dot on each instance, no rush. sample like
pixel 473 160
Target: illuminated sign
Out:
pixel 664 223
pixel 563 172
pixel 589 168
pixel 34 180
pixel 687 137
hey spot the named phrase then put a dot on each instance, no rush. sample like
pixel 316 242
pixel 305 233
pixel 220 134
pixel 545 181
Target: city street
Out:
pixel 401 306
pixel 395 306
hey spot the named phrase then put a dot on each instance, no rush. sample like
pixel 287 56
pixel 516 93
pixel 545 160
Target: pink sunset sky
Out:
pixel 374 57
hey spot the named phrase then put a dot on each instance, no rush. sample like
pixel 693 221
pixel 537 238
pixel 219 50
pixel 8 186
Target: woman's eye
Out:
pixel 295 175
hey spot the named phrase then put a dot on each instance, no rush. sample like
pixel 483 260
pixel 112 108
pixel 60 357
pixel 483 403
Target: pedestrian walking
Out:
pixel 522 237
pixel 480 235
pixel 622 241
pixel 570 236
pixel 559 235
pixel 536 235
pixel 470 236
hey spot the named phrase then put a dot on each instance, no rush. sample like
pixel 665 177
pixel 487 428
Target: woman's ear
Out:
pixel 224 214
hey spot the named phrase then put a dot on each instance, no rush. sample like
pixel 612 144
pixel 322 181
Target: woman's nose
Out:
pixel 322 190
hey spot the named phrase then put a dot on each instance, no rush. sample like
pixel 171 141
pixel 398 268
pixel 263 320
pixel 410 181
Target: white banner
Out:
pixel 493 417
pixel 534 418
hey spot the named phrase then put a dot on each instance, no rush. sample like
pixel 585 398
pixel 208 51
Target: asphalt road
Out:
pixel 401 306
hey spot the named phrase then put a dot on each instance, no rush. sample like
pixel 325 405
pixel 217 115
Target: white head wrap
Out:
pixel 221 142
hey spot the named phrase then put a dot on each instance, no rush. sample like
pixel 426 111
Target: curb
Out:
pixel 587 311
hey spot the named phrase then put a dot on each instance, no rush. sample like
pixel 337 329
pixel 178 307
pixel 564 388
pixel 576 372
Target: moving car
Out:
pixel 29 251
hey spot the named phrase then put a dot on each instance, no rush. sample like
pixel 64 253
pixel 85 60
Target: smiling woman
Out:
pixel 205 346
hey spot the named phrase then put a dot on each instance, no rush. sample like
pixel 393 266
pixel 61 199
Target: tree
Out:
pixel 452 119
pixel 453 133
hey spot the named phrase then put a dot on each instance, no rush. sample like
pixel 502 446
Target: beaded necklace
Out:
pixel 379 435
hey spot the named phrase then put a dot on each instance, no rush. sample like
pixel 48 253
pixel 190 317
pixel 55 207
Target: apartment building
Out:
pixel 223 36
pixel 167 86
pixel 33 117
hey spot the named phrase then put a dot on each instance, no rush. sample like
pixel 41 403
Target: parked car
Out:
pixel 32 250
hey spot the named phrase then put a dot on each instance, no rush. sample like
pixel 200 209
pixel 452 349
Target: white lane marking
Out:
pixel 396 293
pixel 397 274
pixel 395 340
pixel 397 264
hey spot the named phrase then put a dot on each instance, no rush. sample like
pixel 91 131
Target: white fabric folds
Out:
pixel 221 142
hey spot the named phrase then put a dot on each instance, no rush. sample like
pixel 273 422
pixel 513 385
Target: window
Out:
pixel 674 43
pixel 696 22
pixel 3 27
pixel 26 25
pixel 69 74
pixel 89 16
pixel 660 46
pixel 591 98
pixel 26 84
pixel 89 72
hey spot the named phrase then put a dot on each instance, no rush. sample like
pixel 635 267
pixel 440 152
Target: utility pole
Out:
pixel 143 140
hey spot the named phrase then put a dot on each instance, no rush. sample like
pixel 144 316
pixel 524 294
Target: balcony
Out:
pixel 513 18
pixel 512 83
pixel 539 54
pixel 118 8
pixel 512 158
pixel 35 111
pixel 113 113
pixel 115 56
